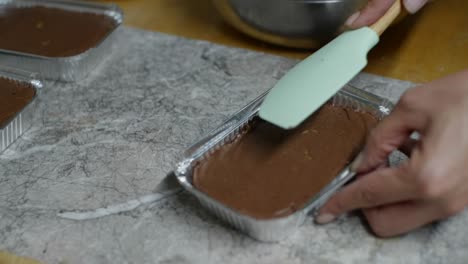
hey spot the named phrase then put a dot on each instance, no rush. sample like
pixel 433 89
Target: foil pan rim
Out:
pixel 71 68
pixel 111 10
pixel 232 126
pixel 24 119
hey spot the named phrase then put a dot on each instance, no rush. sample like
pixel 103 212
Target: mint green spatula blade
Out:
pixel 312 82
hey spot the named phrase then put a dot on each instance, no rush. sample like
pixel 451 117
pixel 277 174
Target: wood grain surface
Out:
pixel 421 48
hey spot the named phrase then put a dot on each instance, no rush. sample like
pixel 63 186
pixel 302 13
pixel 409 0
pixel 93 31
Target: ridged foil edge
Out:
pixel 270 230
pixel 72 68
pixel 23 120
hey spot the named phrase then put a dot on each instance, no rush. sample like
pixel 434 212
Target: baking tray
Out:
pixel 24 119
pixel 270 230
pixel 71 68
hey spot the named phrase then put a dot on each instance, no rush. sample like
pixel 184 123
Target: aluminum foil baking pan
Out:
pixel 65 68
pixel 24 119
pixel 269 230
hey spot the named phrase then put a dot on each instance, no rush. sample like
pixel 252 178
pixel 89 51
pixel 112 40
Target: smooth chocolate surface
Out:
pixel 51 32
pixel 268 172
pixel 14 96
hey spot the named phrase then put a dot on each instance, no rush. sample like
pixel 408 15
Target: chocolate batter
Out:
pixel 14 96
pixel 51 32
pixel 269 172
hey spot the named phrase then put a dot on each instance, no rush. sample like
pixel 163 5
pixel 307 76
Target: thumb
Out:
pixel 384 186
pixel 375 9
pixel 414 6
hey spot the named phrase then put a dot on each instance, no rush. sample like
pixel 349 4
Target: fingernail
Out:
pixel 357 162
pixel 413 6
pixel 324 218
pixel 352 18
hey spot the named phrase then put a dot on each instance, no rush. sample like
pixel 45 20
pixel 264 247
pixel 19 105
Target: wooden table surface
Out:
pixel 423 47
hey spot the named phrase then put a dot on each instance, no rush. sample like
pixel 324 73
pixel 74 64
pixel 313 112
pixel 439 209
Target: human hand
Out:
pixel 377 8
pixel 433 183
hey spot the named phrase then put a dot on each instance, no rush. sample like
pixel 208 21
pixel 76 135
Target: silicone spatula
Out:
pixel 312 82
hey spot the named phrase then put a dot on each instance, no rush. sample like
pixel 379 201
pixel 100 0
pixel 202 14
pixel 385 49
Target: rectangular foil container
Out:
pixel 25 118
pixel 67 69
pixel 270 230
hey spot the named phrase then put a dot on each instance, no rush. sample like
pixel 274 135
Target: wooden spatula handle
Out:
pixel 384 22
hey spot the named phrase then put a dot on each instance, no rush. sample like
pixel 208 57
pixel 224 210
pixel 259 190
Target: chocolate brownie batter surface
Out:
pixel 268 172
pixel 51 32
pixel 14 97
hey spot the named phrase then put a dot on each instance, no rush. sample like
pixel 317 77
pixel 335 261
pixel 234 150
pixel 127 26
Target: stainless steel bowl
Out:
pixel 292 23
